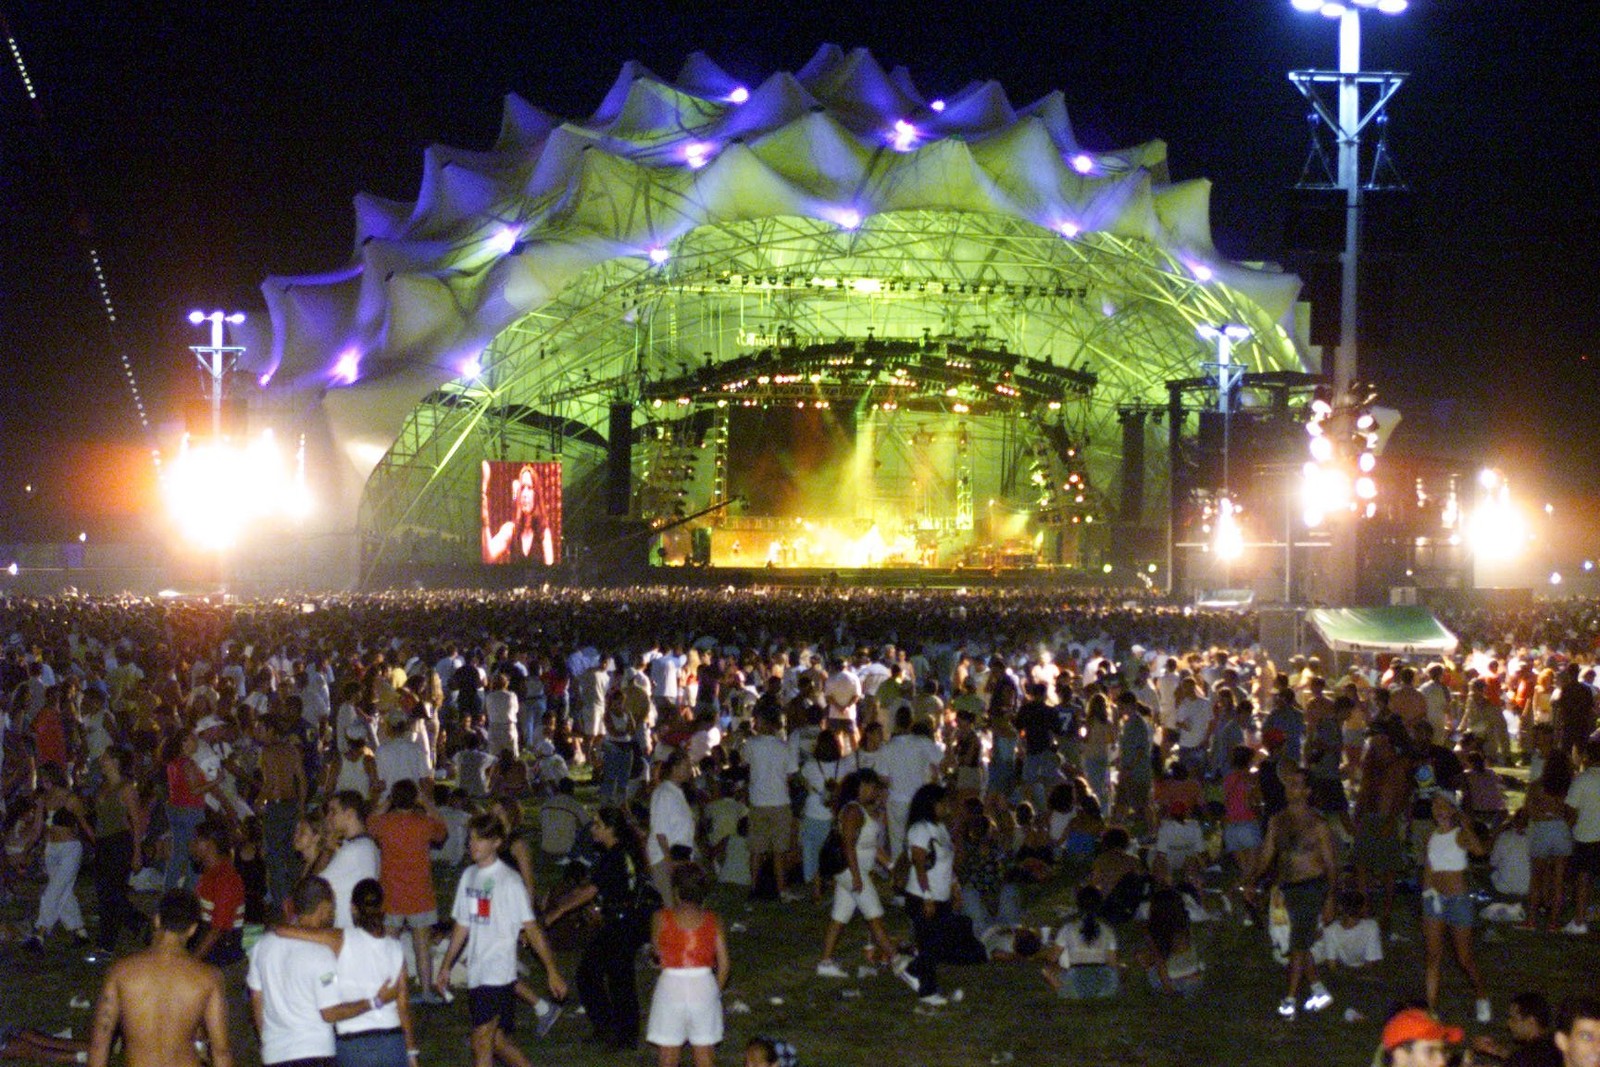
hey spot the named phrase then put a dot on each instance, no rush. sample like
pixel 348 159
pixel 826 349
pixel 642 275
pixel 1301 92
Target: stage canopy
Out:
pixel 1403 629
pixel 696 220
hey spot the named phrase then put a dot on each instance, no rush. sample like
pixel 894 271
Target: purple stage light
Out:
pixel 1070 230
pixel 697 154
pixel 504 239
pixel 937 105
pixel 1083 163
pixel 659 256
pixel 903 137
pixel 348 367
pixel 739 95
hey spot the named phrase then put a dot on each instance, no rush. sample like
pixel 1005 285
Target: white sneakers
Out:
pixel 1320 997
pixel 830 969
pixel 935 1000
pixel 1286 1007
pixel 1576 928
pixel 1484 1012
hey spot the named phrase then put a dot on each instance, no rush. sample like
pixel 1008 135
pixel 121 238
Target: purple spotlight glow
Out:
pixel 903 137
pixel 504 239
pixel 659 256
pixel 1083 163
pixel 348 367
pixel 739 95
pixel 848 219
pixel 471 367
pixel 697 154
pixel 1201 272
pixel 937 105
pixel 265 380
pixel 1070 230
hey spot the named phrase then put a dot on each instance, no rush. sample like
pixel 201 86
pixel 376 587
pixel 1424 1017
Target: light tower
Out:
pixel 217 358
pixel 1348 122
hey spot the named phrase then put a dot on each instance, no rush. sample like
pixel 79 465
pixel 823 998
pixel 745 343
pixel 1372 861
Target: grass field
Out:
pixel 1008 1015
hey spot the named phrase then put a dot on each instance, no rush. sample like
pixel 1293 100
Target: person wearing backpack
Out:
pixel 854 846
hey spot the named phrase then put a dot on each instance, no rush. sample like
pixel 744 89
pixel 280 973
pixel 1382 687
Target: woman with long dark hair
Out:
pixel 859 818
pixel 929 890
pixel 619 887
pixel 119 825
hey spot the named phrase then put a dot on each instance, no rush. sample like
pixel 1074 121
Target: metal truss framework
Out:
pixel 1120 308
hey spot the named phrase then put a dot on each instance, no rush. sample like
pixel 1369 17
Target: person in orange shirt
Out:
pixel 405 827
pixel 686 1007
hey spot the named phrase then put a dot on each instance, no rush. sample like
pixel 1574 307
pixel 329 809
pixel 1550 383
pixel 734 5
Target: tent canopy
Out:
pixel 1392 629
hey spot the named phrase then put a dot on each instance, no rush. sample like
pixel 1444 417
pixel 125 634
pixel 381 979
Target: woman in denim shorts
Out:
pixel 1446 903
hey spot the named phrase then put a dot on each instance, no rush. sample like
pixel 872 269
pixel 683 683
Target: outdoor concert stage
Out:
pixel 824 324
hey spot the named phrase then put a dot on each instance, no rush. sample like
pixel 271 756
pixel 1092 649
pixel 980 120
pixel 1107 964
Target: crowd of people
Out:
pixel 284 778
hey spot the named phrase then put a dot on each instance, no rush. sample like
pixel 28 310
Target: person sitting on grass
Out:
pixel 1351 940
pixel 686 1007
pixel 1171 962
pixel 1086 962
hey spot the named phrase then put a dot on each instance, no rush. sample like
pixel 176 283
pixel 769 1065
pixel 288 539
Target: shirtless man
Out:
pixel 283 795
pixel 1379 852
pixel 161 996
pixel 1299 844
pixel 1406 700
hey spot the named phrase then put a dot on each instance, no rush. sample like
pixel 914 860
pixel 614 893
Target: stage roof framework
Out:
pixel 697 219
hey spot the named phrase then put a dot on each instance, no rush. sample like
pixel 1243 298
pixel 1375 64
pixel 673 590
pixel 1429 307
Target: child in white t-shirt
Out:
pixel 492 905
pixel 1350 940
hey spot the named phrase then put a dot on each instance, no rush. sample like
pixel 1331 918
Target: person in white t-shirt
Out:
pixel 294 990
pixel 355 857
pixel 492 906
pixel 930 888
pixel 771 762
pixel 908 761
pixel 372 1023
pixel 672 822
pixel 400 757
pixel 1085 965
pixel 1350 940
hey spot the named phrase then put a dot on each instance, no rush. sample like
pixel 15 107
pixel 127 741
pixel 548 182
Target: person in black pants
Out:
pixel 606 982
pixel 942 935
pixel 118 827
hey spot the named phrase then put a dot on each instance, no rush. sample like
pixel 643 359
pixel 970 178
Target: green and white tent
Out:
pixel 1401 629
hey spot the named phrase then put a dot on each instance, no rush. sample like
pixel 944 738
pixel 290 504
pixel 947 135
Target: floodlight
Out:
pixel 197 317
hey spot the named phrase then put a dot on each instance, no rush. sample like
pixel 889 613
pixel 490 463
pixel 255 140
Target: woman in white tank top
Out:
pixel 1446 902
pixel 861 839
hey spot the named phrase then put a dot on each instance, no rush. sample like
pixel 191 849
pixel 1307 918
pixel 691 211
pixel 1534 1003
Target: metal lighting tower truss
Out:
pixel 1123 309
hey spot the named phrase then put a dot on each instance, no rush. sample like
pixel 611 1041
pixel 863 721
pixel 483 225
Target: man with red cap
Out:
pixel 1413 1038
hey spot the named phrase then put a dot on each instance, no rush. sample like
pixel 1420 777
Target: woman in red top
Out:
pixel 186 804
pixel 687 1004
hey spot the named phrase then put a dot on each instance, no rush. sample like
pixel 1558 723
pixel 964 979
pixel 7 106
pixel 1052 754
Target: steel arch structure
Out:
pixel 1126 310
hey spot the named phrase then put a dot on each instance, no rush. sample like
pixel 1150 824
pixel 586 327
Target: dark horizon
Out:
pixel 209 149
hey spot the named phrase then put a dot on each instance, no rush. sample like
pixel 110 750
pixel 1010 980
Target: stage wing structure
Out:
pixel 837 212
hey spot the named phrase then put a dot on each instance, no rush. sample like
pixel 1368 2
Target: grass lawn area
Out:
pixel 1008 1014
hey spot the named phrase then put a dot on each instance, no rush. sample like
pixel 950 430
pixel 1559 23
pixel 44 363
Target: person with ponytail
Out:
pixel 1086 967
pixel 619 887
pixel 372 1019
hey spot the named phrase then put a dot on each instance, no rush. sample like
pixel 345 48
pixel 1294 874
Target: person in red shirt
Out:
pixel 406 826
pixel 50 734
pixel 220 938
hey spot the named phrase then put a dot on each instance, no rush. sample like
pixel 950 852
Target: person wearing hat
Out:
pixel 1414 1038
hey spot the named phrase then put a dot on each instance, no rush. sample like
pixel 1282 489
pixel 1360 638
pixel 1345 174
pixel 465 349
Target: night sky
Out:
pixel 207 146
